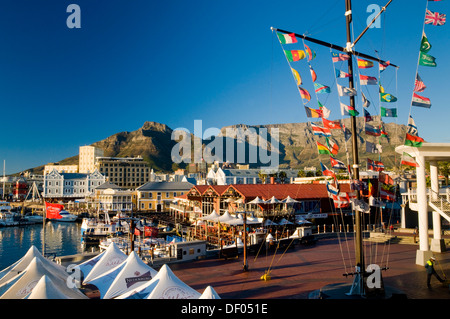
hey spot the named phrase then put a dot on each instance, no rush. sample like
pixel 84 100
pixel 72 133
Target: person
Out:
pixel 430 271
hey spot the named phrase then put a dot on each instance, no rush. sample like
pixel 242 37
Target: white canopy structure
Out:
pixel 123 278
pixel 226 218
pixel 112 257
pixel 23 284
pixel 269 222
pixel 257 200
pixel 209 293
pixel 46 289
pixel 87 265
pixel 284 221
pixel 211 217
pixel 273 200
pixel 289 200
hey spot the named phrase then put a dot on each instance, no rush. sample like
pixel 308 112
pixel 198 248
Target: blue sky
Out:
pixel 179 61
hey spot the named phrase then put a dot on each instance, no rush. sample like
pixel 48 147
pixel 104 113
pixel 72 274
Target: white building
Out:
pixel 71 185
pixel 115 200
pixel 60 168
pixel 224 176
pixel 87 158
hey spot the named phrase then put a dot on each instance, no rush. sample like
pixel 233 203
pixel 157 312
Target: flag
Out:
pixel 297 77
pixel 313 112
pixel 348 110
pixel 374 165
pixel 376 202
pixel 320 88
pixel 367 116
pixel 345 91
pixel 385 112
pixel 323 149
pixel 413 140
pixel 425 45
pixel 412 128
pixel 294 55
pixel 304 94
pixel 421 101
pixel 320 131
pixel 364 64
pixel 53 210
pixel 383 66
pixel 427 60
pixel 347 133
pixel 331 124
pixel 371 189
pixel 386 97
pixel 387 194
pixel 381 89
pixel 287 38
pixel 408 160
pixel 384 133
pixel 341 200
pixel 339 57
pixel 335 163
pixel 367 80
pixel 325 112
pixel 372 130
pixel 341 74
pixel 366 102
pixel 332 190
pixel 332 146
pixel 385 178
pixel 373 148
pixel 313 74
pixel 309 53
pixel 434 18
pixel 326 171
pixel 419 86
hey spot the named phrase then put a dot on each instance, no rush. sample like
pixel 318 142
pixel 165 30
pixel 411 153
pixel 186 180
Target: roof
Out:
pixel 255 172
pixel 166 186
pixel 107 185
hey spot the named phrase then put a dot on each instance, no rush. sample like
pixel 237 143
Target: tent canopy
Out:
pixel 112 257
pixel 209 293
pixel 46 289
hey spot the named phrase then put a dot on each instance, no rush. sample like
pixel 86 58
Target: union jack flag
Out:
pixel 434 18
pixel 419 86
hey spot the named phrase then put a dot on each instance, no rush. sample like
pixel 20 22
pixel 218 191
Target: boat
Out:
pixel 7 217
pixel 65 217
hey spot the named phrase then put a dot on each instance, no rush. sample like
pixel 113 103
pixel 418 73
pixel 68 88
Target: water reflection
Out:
pixel 60 239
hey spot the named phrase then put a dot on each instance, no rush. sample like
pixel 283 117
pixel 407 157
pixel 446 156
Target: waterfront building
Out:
pixel 157 196
pixel 87 158
pixel 60 168
pixel 125 172
pixel 229 176
pixel 70 185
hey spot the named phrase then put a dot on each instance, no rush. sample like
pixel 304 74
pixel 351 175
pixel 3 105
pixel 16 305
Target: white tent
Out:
pixel 46 289
pixel 289 200
pixel 211 217
pixel 170 286
pixel 20 265
pixel 22 285
pixel 123 278
pixel 113 257
pixel 284 221
pixel 226 218
pixel 273 200
pixel 269 222
pixel 87 265
pixel 209 293
pixel 257 200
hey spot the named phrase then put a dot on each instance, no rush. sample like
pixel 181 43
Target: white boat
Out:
pixel 65 217
pixel 33 218
pixel 8 218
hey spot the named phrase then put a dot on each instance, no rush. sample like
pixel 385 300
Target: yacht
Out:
pixel 7 218
pixel 65 217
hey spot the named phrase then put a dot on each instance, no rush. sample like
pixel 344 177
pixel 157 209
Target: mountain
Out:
pixel 296 145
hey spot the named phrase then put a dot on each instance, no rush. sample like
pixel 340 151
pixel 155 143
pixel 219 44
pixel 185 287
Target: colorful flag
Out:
pixel 294 55
pixel 332 190
pixel 412 128
pixel 312 112
pixel 304 94
pixel 331 124
pixel 347 133
pixel 339 57
pixel 323 149
pixel 434 18
pixel 421 101
pixel 371 189
pixel 335 163
pixel 413 140
pixel 386 97
pixel 348 110
pixel 313 74
pixel 320 88
pixel 342 200
pixel 309 53
pixel 367 116
pixel 387 194
pixel 419 86
pixel 408 160
pixel 325 112
pixel 326 171
pixel 383 66
pixel 364 64
pixel 345 91
pixel 385 178
pixel 287 38
pixel 385 112
pixel 425 45
pixel 366 102
pixel 341 74
pixel 373 148
pixel 372 130
pixel 427 60
pixel 320 131
pixel 52 210
pixel 367 80
pixel 297 77
pixel 384 133
pixel 374 165
pixel 332 146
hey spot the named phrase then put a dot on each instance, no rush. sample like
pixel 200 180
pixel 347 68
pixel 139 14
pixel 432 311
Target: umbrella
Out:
pixel 257 200
pixel 289 200
pixel 284 221
pixel 273 200
pixel 268 222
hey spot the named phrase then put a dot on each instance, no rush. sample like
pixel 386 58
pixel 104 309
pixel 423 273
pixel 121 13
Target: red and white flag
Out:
pixel 53 210
pixel 434 18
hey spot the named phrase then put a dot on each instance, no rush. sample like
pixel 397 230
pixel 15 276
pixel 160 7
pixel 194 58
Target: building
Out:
pixel 157 196
pixel 60 168
pixel 125 172
pixel 71 185
pixel 87 158
pixel 111 198
pixel 226 176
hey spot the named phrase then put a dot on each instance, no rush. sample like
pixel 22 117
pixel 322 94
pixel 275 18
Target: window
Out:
pixel 167 194
pixel 191 251
pixel 142 205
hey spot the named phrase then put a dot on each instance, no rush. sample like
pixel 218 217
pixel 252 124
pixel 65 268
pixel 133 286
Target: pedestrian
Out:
pixel 430 271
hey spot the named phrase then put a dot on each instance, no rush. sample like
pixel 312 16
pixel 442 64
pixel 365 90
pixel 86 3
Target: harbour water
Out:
pixel 60 239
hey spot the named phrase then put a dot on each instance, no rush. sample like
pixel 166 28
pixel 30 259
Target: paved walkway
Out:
pixel 298 272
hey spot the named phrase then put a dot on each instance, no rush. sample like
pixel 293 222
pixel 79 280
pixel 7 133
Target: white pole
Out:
pixel 422 205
